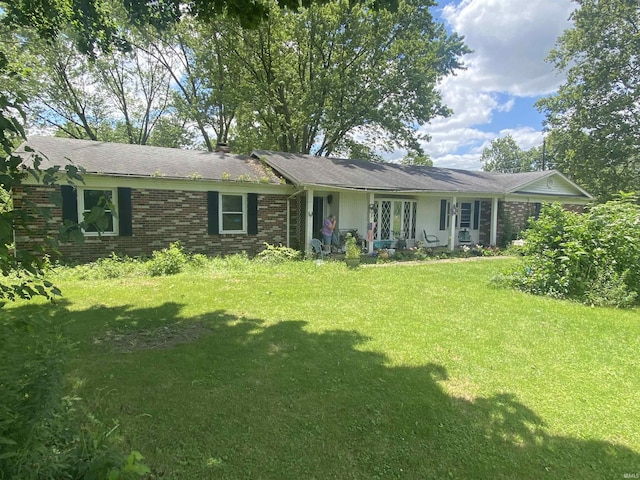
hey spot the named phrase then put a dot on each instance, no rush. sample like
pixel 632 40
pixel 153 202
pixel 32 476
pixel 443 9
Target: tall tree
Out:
pixel 206 84
pixel 595 116
pixel 505 155
pixel 140 89
pixel 62 91
pixel 416 158
pixel 331 77
pixel 117 96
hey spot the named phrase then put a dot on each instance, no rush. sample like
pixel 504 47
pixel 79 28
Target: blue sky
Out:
pixel 505 75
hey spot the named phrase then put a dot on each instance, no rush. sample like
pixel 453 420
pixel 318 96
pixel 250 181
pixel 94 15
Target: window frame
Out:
pixel 221 213
pixel 468 219
pixel 407 218
pixel 114 211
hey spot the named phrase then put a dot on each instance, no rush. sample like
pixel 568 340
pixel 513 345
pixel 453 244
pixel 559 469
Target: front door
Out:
pixel 395 219
pixel 318 216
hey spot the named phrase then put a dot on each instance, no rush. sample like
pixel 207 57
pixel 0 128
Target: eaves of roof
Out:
pixel 322 172
pixel 141 161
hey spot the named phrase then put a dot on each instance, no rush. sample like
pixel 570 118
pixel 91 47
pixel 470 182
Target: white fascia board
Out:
pixel 536 198
pixel 159 183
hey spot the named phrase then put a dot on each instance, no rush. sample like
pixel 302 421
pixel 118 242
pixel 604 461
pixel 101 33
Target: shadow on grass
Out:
pixel 247 399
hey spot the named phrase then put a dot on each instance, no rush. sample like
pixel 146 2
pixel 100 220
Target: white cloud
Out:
pixel 525 137
pixel 510 40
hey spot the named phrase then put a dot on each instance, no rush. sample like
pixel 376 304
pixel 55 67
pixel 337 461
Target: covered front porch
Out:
pixel 389 220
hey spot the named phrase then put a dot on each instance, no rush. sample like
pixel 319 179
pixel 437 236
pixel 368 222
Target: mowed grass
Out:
pixel 306 371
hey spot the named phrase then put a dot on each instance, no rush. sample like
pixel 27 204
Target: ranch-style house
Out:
pixel 217 203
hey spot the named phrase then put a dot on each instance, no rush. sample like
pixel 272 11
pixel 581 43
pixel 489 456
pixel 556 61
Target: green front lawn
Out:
pixel 307 371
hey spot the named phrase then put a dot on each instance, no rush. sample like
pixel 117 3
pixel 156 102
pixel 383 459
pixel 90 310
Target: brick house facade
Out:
pixel 159 217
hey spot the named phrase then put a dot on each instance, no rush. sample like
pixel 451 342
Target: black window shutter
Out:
pixel 69 203
pixel 443 214
pixel 125 223
pixel 252 213
pixel 212 213
pixel 476 214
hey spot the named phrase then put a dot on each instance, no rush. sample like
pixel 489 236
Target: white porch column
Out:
pixel 454 218
pixel 308 229
pixel 494 222
pixel 370 217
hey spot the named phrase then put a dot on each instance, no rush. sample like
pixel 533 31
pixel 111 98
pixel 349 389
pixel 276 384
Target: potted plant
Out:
pixel 352 251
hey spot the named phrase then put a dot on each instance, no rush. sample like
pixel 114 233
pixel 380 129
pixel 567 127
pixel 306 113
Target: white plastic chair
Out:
pixel 316 246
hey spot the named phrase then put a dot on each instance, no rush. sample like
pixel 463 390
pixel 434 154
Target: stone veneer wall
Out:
pixel 159 217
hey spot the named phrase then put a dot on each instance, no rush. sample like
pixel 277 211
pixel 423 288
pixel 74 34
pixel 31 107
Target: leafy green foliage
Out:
pixel 594 118
pixel 416 158
pixel 352 250
pixel 504 155
pixel 21 273
pixel 168 261
pixel 113 266
pixel 95 26
pixel 593 257
pixel 294 83
pixel 278 254
pixel 310 76
pixel 45 433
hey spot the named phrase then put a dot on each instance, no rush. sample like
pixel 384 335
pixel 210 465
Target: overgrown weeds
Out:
pixel 592 258
pixel 45 433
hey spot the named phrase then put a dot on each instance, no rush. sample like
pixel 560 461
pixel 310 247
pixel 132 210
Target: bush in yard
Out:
pixel 168 261
pixel 278 254
pixel 593 258
pixel 113 266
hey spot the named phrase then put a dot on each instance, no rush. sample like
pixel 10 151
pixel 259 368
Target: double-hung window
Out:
pixel 97 208
pixel 233 213
pixel 465 215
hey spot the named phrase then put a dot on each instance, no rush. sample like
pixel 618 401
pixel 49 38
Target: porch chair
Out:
pixel 431 240
pixel 464 236
pixel 316 246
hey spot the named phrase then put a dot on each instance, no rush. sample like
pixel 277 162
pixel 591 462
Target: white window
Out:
pixel 465 215
pixel 97 207
pixel 233 213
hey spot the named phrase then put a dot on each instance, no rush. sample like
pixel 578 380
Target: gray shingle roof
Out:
pixel 360 174
pixel 117 159
pixel 145 161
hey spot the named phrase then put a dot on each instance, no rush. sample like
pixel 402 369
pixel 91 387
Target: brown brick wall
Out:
pixel 574 208
pixel 485 223
pixel 513 216
pixel 159 217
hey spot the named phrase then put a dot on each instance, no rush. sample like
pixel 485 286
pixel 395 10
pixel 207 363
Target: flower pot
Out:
pixel 352 262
